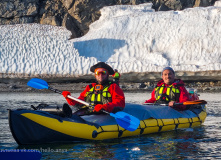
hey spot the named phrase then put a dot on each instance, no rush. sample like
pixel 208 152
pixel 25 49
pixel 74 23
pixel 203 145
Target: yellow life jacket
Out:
pixel 98 97
pixel 172 94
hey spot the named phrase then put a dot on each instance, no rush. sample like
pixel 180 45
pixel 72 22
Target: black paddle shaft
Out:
pixel 55 90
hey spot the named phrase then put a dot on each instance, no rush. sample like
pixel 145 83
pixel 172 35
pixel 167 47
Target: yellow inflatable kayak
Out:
pixel 30 126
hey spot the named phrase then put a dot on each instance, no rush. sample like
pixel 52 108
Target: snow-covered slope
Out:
pixel 129 38
pixel 139 39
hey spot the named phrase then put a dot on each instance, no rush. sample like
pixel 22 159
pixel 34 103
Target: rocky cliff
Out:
pixel 77 15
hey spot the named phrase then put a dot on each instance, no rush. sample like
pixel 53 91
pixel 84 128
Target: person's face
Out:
pixel 168 76
pixel 101 75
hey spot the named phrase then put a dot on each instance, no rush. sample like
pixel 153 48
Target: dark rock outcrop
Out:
pixel 77 15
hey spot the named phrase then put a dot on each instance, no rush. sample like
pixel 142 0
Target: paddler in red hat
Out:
pixel 103 95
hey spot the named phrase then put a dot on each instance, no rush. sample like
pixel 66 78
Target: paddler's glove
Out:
pixel 65 94
pixel 99 107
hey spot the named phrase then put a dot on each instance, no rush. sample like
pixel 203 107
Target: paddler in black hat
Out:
pixel 104 94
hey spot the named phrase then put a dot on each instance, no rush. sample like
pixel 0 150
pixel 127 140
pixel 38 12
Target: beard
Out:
pixel 104 81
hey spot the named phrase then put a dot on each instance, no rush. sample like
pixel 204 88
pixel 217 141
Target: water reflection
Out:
pixel 170 145
pixel 96 151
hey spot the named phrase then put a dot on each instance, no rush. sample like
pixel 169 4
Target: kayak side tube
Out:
pixel 37 127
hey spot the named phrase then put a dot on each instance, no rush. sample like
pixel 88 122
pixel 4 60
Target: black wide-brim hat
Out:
pixel 102 65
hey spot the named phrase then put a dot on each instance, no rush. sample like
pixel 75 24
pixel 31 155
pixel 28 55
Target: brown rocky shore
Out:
pixel 204 81
pixel 126 87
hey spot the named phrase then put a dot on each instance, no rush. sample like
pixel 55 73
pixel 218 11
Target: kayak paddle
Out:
pixel 192 102
pixel 182 103
pixel 124 119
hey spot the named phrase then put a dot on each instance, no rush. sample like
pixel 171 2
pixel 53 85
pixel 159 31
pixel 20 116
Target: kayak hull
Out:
pixel 37 127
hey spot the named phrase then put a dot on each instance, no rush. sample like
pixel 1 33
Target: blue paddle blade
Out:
pixel 126 120
pixel 38 83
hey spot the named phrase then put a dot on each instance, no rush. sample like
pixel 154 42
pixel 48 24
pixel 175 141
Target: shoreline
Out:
pixel 17 87
pixel 203 81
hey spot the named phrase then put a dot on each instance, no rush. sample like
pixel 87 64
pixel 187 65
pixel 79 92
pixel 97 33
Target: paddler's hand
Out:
pixel 171 104
pixel 99 107
pixel 66 93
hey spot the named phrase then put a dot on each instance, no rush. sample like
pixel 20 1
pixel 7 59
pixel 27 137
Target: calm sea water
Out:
pixel 198 143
